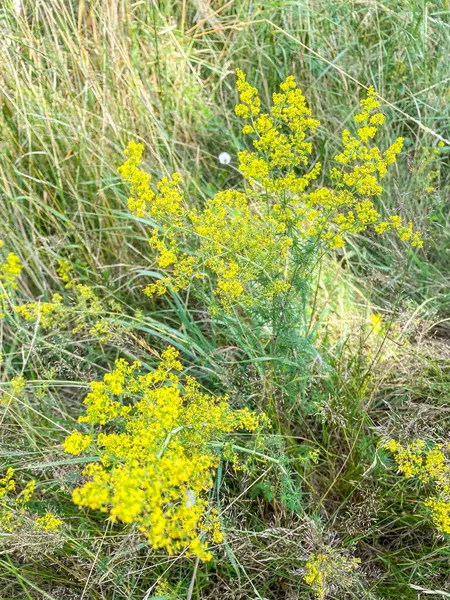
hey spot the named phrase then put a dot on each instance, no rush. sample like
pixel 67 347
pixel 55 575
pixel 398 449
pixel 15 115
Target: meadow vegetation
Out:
pixel 224 379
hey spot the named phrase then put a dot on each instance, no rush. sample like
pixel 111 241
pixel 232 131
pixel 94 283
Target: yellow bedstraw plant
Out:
pixel 10 269
pixel 431 466
pixel 14 512
pixel 83 311
pixel 157 443
pixel 329 570
pixel 252 243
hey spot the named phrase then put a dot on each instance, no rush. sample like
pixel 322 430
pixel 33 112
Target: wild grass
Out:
pixel 78 81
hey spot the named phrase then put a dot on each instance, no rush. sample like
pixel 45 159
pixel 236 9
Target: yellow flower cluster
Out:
pixel 328 212
pixel 279 153
pixel 18 384
pixel 153 438
pixel 249 97
pixel 13 512
pixel 49 523
pixel 430 466
pixel 168 203
pixel 141 193
pixel 249 243
pixel 49 314
pixel 440 513
pixel 64 270
pixel 85 311
pixel 235 244
pixel 376 321
pixel 325 570
pixel 347 207
pixel 77 443
pixel 7 484
pixel 10 269
pixel 241 248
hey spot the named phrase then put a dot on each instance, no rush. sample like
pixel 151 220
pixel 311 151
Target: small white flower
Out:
pixel 224 158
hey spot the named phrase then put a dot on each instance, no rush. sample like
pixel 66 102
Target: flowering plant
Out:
pixel 258 245
pixel 157 444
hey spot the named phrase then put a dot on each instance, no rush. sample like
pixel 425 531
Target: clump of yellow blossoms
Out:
pixel 10 268
pixel 64 271
pixel 250 244
pixel 376 321
pixel 13 512
pixel 431 466
pixel 49 523
pixel 329 570
pixel 49 314
pixel 85 312
pixel 231 242
pixel 153 437
pixel 7 484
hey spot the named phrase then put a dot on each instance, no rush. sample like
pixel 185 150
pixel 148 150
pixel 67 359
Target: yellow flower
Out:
pixel 154 439
pixel 440 513
pixel 25 496
pixel 48 313
pixel 248 243
pixel 76 443
pixel 313 455
pixel 143 199
pixel 49 523
pixel 431 467
pixel 10 269
pixel 18 385
pixel 64 271
pixel 377 322
pixel 249 97
pixel 7 483
pixel 327 568
pixel 13 510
